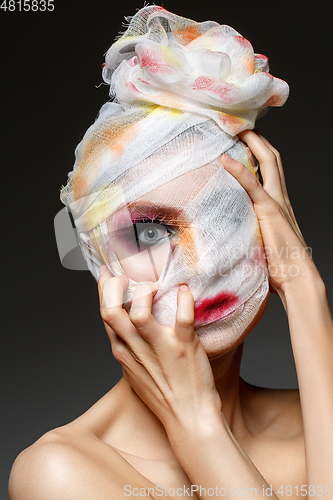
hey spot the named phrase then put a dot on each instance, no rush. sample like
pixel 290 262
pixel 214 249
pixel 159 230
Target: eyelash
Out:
pixel 160 221
pixel 149 220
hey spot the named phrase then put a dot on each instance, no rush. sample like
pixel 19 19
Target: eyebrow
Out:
pixel 150 211
pixel 136 212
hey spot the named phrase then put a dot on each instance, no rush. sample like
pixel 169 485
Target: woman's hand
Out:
pixel 287 255
pixel 167 367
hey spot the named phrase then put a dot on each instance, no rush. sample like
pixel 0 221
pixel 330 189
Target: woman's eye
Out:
pixel 149 233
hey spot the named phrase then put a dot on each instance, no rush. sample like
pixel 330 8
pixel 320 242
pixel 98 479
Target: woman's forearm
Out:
pixel 311 331
pixel 215 463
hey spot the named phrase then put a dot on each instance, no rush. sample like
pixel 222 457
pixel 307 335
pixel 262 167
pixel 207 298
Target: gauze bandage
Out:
pixel 148 193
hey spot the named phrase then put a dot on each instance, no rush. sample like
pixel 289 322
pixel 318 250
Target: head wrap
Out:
pixel 181 91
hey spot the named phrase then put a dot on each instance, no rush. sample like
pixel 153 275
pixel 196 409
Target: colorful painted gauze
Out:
pixel 148 193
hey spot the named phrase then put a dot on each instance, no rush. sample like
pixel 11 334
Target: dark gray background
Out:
pixel 56 356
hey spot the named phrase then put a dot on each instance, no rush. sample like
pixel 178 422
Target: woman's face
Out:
pixel 199 229
pixel 152 225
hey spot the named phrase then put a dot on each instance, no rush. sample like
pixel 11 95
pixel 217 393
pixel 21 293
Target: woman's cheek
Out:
pixel 143 265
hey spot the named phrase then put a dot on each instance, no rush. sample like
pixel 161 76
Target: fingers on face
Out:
pixel 122 333
pixel 110 290
pixel 141 317
pixel 184 328
pixel 274 185
pixel 289 212
pixel 270 164
pixel 116 319
pixel 279 165
pixel 127 331
pixel 140 313
pixel 247 180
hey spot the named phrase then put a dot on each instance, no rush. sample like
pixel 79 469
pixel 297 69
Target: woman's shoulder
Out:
pixel 275 412
pixel 72 462
pixel 274 420
pixel 49 468
pixel 67 464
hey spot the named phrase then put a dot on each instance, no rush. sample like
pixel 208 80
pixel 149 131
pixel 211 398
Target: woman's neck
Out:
pixel 231 388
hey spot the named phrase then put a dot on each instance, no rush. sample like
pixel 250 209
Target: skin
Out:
pixel 179 417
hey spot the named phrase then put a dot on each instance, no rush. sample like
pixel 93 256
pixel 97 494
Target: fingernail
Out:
pixel 183 288
pixel 102 270
pixel 227 158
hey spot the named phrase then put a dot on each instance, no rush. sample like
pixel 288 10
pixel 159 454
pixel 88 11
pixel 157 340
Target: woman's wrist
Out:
pixel 307 280
pixel 192 432
pixel 306 303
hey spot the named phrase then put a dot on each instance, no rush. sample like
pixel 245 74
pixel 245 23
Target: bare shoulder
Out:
pixel 274 412
pixel 71 462
pixel 53 467
pixel 66 465
pixel 274 418
pixel 286 412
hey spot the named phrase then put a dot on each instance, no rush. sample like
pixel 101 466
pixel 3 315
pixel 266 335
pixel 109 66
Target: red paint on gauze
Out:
pixel 215 308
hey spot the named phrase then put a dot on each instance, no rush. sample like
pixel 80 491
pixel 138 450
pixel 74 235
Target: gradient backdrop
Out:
pixel 56 356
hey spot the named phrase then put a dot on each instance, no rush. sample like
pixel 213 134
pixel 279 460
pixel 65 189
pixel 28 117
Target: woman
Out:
pixel 162 195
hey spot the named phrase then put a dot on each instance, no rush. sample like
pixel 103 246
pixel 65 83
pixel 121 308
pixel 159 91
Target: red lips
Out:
pixel 215 308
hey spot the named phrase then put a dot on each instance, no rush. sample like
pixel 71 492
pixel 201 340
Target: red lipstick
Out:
pixel 215 308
